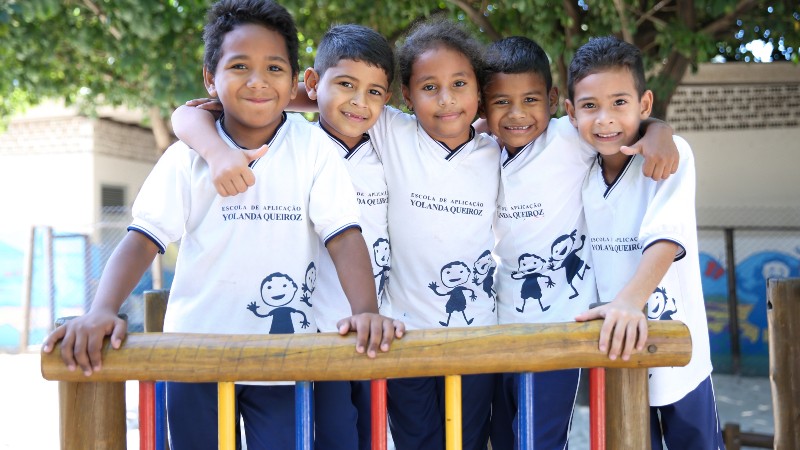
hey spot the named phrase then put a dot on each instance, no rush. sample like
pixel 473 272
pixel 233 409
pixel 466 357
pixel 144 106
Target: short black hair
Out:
pixel 517 54
pixel 436 33
pixel 226 15
pixel 604 53
pixel 357 43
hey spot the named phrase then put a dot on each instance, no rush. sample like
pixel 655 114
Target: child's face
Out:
pixel 443 91
pixel 518 107
pixel 607 110
pixel 350 96
pixel 253 81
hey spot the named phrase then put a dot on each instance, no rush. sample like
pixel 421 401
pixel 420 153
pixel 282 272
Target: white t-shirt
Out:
pixel 366 172
pixel 441 207
pixel 244 260
pixel 627 217
pixel 544 271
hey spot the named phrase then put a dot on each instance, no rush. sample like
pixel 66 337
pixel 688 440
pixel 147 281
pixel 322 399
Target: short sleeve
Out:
pixel 162 205
pixel 332 203
pixel 671 212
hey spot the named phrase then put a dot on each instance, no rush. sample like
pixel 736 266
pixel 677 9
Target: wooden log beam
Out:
pixel 328 356
pixel 783 321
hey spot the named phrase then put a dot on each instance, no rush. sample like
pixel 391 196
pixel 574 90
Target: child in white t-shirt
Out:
pixel 644 241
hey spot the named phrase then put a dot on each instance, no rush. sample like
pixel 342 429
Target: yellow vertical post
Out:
pixel 452 412
pixel 226 393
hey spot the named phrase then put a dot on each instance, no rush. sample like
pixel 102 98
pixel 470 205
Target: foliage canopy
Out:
pixel 147 53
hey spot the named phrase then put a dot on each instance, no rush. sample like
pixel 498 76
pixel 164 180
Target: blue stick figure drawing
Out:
pixel 564 253
pixel 483 272
pixel 530 269
pixel 661 307
pixel 310 284
pixel 382 252
pixel 277 291
pixel 454 275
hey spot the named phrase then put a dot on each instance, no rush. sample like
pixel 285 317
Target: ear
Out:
pixel 311 80
pixel 387 97
pixel 571 112
pixel 208 80
pixel 293 93
pixel 552 97
pixel 407 97
pixel 646 104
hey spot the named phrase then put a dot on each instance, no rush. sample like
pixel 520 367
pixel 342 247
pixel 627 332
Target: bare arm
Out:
pixel 659 150
pixel 351 258
pixel 229 169
pixel 83 336
pixel 625 325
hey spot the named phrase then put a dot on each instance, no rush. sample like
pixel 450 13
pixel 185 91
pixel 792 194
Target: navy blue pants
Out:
pixel 553 405
pixel 417 411
pixel 342 415
pixel 267 411
pixel 691 423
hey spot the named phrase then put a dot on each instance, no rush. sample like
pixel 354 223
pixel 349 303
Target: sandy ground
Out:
pixel 29 406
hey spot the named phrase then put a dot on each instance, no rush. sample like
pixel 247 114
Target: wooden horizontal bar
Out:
pixel 328 356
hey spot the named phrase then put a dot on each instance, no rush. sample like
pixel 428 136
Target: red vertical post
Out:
pixel 378 416
pixel 597 408
pixel 147 415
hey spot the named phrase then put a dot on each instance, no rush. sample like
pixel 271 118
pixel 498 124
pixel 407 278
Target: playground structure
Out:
pixel 450 353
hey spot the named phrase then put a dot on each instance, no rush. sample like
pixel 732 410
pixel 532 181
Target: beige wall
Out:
pixel 54 161
pixel 743 123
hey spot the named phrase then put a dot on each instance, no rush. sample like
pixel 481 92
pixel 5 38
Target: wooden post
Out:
pixel 783 320
pixel 627 409
pixel 92 416
pixel 155 307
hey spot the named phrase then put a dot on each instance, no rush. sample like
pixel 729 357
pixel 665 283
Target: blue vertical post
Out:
pixel 525 411
pixel 161 415
pixel 303 416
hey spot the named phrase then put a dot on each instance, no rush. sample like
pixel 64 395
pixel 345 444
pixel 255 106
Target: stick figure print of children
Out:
pixel 564 253
pixel 483 271
pixel 661 307
pixel 310 284
pixel 277 291
pixel 382 252
pixel 454 275
pixel 530 269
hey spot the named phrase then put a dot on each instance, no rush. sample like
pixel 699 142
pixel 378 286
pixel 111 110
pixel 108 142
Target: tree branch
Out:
pixel 623 20
pixel 478 19
pixel 103 18
pixel 722 25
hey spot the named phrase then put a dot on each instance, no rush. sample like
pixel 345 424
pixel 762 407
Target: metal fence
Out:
pixel 50 273
pixel 735 264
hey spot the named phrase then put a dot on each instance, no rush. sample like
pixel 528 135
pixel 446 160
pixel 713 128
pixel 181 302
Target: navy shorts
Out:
pixel 554 396
pixel 342 415
pixel 417 411
pixel 691 423
pixel 267 411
